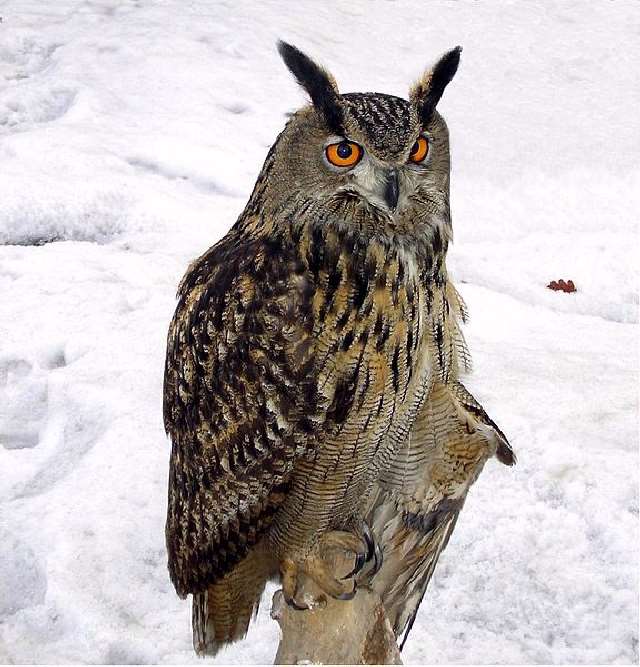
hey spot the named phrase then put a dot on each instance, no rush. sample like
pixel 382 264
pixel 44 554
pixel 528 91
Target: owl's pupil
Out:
pixel 344 150
pixel 415 148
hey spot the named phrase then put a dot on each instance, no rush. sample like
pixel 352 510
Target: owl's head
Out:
pixel 365 157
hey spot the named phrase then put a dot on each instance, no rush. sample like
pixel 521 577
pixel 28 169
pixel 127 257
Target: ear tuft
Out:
pixel 426 92
pixel 318 83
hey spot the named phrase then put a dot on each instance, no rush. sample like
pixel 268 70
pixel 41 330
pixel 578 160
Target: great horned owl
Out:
pixel 311 382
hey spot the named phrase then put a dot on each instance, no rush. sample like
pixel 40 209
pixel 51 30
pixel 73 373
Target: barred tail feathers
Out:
pixel 221 614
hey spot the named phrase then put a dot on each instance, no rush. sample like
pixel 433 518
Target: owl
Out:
pixel 311 388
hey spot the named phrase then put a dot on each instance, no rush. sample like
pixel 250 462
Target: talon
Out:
pixel 369 541
pixel 348 596
pixel 294 605
pixel 378 560
pixel 374 552
pixel 361 559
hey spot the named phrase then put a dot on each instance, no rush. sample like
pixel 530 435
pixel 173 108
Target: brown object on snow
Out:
pixel 562 286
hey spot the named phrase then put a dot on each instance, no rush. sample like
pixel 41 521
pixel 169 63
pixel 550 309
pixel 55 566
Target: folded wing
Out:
pixel 418 499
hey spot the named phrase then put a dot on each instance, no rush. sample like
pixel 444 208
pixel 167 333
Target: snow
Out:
pixel 131 133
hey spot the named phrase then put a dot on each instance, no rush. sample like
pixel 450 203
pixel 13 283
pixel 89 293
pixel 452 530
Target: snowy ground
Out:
pixel 130 135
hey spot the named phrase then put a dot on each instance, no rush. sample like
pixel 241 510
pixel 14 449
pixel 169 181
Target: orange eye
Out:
pixel 419 150
pixel 344 154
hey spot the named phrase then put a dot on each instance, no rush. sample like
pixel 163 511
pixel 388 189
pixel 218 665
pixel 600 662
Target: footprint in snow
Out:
pixel 50 421
pixel 23 402
pixel 25 108
pixel 236 107
pixel 25 102
pixel 24 578
pixel 155 168
pixel 23 56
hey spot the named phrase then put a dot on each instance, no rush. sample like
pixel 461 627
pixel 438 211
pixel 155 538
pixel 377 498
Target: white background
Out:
pixel 130 136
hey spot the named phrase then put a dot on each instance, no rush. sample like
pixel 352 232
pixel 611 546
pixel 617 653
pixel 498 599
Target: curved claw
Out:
pixel 369 541
pixel 348 596
pixel 374 551
pixel 378 560
pixel 361 559
pixel 294 605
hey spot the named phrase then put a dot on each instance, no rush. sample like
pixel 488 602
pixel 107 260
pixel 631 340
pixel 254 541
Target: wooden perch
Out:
pixel 339 632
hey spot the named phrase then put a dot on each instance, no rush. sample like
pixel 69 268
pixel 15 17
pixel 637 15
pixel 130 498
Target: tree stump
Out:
pixel 338 632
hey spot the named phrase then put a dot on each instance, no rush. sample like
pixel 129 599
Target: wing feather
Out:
pixel 237 396
pixel 418 500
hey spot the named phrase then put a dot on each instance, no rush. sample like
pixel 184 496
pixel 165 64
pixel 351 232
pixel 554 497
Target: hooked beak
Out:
pixel 392 189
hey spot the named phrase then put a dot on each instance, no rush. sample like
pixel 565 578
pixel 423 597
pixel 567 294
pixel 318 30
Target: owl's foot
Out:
pixel 366 550
pixel 321 573
pixel 320 566
pixel 289 571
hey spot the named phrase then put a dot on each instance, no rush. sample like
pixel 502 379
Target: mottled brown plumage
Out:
pixel 312 367
pixel 416 503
